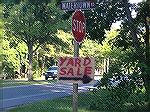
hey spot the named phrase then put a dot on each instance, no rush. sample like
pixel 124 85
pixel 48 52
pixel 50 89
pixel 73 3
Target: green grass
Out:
pixel 58 105
pixel 8 83
pixel 65 104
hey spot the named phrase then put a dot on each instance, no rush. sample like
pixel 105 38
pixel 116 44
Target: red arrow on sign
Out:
pixel 78 25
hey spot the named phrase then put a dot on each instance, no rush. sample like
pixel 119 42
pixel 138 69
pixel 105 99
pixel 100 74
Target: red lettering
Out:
pixel 87 61
pixel 62 60
pixel 70 71
pixel 78 71
pixel 70 62
pixel 63 71
pixel 88 70
pixel 77 62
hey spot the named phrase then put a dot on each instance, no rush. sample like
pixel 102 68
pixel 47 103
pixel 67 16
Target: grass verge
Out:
pixel 65 104
pixel 58 105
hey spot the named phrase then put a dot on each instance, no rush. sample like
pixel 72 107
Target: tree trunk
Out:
pixel 147 78
pixel 43 64
pixel 30 56
pixel 133 29
pixel 20 70
pixel 139 51
pixel 105 66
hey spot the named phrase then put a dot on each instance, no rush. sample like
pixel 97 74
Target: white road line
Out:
pixel 20 86
pixel 34 95
pixel 32 85
pixel 25 97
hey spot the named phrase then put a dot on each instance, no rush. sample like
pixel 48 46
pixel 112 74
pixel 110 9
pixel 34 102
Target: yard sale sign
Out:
pixel 76 69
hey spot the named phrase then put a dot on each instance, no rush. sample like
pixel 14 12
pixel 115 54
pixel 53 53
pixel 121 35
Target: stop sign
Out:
pixel 78 26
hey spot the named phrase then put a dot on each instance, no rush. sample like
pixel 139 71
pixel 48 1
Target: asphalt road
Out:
pixel 13 96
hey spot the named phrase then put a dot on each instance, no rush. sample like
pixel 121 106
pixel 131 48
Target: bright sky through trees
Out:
pixel 135 1
pixel 117 24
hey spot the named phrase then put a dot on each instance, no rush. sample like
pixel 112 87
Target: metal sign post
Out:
pixel 78 17
pixel 75 97
pixel 76 54
pixel 75 85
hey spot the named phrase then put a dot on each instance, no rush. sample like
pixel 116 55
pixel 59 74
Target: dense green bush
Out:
pixel 8 70
pixel 105 101
pixel 115 100
pixel 128 93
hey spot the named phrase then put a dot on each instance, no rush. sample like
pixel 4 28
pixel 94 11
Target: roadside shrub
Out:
pixel 8 71
pixel 128 91
pixel 137 99
pixel 105 102
pixel 115 100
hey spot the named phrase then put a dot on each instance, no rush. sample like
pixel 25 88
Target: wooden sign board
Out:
pixel 76 70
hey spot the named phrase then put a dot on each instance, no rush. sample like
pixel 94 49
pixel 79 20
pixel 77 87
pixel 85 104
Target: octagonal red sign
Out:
pixel 78 26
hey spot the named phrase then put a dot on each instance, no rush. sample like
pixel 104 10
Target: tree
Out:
pixel 34 23
pixel 134 38
pixel 10 61
pixel 142 54
pixel 133 34
pixel 101 18
pixel 92 48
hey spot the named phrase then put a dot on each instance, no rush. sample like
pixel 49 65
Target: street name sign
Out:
pixel 79 70
pixel 83 5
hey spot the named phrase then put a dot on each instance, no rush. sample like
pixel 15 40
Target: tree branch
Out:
pixel 19 38
pixel 147 41
pixel 36 48
pixel 133 30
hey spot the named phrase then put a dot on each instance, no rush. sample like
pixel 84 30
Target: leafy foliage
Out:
pixel 128 85
pixel 10 62
pixel 35 24
pixel 102 17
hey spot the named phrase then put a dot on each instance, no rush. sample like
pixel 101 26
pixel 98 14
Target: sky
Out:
pixel 135 1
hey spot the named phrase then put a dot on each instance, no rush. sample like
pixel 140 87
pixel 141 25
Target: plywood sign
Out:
pixel 76 69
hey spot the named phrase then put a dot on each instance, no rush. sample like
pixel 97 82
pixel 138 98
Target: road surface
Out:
pixel 13 96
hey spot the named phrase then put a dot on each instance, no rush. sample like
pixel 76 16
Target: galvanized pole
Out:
pixel 75 85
